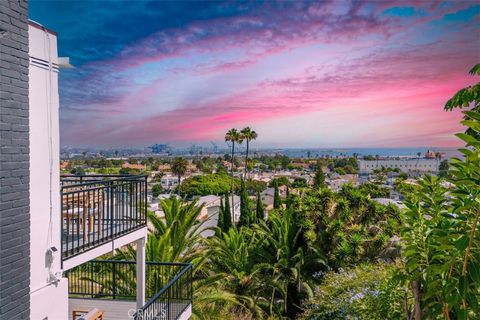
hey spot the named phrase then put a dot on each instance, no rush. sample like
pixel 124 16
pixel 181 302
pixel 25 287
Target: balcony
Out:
pixel 110 286
pixel 97 209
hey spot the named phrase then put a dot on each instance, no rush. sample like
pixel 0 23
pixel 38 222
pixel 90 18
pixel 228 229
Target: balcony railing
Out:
pixel 97 209
pixel 168 286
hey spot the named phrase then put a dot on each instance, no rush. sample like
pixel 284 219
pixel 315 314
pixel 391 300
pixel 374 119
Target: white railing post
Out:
pixel 140 272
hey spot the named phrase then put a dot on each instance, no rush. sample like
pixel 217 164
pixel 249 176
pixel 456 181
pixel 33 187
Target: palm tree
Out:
pixel 172 238
pixel 233 136
pixel 233 258
pixel 288 260
pixel 179 168
pixel 249 135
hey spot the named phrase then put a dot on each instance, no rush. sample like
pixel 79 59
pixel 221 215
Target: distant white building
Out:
pixel 410 165
pixel 169 182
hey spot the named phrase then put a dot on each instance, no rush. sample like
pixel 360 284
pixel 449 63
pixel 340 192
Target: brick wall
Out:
pixel 14 162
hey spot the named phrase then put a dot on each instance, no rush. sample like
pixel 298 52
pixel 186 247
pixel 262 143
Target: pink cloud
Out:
pixel 390 69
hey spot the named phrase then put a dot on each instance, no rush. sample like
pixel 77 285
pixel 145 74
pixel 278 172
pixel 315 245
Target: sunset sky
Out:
pixel 302 74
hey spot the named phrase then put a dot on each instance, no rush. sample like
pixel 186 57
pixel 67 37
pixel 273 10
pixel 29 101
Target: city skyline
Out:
pixel 335 73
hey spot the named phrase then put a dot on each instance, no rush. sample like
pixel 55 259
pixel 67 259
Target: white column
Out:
pixel 140 272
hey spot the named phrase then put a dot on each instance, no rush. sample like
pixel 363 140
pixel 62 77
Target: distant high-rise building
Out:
pixel 160 148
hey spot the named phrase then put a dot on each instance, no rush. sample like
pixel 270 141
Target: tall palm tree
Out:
pixel 249 135
pixel 233 136
pixel 179 168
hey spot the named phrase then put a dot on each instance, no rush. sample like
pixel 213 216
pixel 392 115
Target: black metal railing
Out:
pixel 172 300
pixel 168 286
pixel 97 209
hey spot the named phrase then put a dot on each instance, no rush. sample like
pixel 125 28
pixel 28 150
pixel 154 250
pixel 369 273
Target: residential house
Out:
pixel 337 181
pixel 268 196
pixel 135 166
pixel 170 182
pixel 64 165
pixel 165 168
pixel 210 211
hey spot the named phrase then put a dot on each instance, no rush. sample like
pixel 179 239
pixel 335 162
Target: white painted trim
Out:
pixel 104 248
pixel 186 314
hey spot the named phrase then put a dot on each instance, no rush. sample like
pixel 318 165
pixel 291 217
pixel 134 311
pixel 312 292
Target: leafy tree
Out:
pixel 277 202
pixel 443 168
pixel 249 135
pixel 280 181
pixel 78 171
pixel 443 165
pixel 374 190
pixel 364 292
pixel 254 186
pixel 156 189
pixel 129 171
pixel 299 182
pixel 285 161
pixel 260 209
pixel 217 183
pixel 319 179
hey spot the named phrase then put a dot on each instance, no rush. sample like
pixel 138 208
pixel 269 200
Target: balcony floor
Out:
pixel 118 309
pixel 94 238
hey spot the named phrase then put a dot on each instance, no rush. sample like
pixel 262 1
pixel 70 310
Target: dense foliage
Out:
pixel 364 292
pixel 202 185
pixel 442 253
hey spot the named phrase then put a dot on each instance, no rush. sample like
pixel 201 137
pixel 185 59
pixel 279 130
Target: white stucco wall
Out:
pixel 47 300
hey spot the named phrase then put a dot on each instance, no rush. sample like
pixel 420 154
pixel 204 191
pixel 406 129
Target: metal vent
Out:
pixel 44 64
